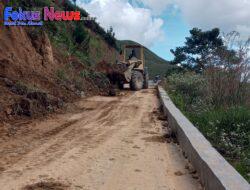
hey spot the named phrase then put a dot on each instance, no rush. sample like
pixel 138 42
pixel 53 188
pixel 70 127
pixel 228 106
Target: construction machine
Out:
pixel 133 72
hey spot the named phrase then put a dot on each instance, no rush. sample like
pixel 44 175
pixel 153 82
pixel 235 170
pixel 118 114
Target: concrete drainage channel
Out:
pixel 215 172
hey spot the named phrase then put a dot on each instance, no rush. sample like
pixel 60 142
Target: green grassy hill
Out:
pixel 155 64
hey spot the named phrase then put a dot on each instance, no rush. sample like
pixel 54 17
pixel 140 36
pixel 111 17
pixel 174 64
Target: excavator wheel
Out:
pixel 137 81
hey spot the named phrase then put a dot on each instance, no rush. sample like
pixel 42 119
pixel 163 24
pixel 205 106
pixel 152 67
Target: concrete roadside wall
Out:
pixel 215 172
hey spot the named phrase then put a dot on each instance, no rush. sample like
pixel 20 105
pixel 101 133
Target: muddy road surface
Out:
pixel 102 143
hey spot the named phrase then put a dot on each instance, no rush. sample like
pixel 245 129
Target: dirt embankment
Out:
pixel 36 78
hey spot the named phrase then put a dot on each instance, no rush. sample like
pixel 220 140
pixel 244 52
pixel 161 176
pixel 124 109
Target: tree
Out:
pixel 79 33
pixel 110 32
pixel 110 37
pixel 228 71
pixel 197 49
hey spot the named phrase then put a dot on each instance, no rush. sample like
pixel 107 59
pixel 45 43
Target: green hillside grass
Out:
pixel 155 64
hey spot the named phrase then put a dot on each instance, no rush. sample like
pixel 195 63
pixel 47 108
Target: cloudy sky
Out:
pixel 162 25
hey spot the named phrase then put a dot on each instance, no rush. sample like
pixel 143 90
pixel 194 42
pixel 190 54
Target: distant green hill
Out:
pixel 155 64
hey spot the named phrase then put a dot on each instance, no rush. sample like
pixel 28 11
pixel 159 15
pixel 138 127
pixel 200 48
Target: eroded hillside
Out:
pixel 41 68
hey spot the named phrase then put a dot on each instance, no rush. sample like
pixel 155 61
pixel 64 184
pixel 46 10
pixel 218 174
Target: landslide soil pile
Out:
pixel 38 75
pixel 35 77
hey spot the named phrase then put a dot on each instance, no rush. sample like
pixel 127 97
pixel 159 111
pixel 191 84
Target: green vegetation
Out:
pixel 212 90
pixel 227 128
pixel 80 32
pixel 76 40
pixel 110 37
pixel 188 91
pixel 198 47
pixel 78 43
pixel 95 44
pixel 155 64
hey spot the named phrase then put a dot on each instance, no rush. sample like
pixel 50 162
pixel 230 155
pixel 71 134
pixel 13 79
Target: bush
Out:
pixel 231 126
pixel 229 132
pixel 226 87
pixel 189 88
pixel 174 70
pixel 226 126
pixel 79 33
pixel 110 37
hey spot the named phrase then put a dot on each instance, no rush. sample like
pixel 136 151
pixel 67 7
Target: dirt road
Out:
pixel 103 143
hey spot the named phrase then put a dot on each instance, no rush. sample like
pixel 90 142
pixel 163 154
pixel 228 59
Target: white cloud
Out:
pixel 228 15
pixel 157 6
pixel 128 22
pixel 139 20
pixel 244 31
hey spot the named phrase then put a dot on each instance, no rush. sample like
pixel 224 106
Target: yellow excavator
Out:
pixel 135 72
